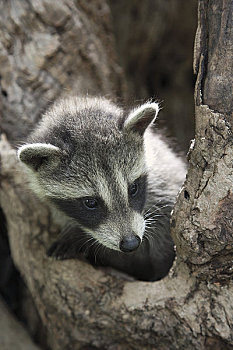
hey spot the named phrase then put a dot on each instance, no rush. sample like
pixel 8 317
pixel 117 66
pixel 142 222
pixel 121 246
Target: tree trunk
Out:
pixel 80 306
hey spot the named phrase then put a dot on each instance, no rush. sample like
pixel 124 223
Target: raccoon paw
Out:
pixel 58 250
pixel 68 246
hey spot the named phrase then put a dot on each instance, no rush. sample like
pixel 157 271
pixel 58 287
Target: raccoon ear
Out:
pixel 140 118
pixel 34 154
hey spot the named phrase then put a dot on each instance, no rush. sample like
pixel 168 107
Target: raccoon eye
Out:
pixel 90 203
pixel 133 189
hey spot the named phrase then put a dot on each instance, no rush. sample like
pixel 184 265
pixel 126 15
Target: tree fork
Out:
pixel 82 307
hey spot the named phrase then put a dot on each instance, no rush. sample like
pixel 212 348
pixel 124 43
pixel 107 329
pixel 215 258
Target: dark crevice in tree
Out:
pixel 157 59
pixel 10 280
pixel 14 291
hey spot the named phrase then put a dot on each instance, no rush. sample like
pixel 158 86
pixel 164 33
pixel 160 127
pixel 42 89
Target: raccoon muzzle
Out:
pixel 129 243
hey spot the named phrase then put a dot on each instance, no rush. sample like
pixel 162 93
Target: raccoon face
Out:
pixel 101 184
pixel 116 223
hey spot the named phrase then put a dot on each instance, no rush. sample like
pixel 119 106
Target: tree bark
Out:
pixel 86 308
pixel 205 242
pixel 13 335
pixel 48 50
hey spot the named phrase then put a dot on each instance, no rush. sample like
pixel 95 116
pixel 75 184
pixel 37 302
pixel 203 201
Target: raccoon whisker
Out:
pixel 150 232
pixel 163 206
pixel 145 233
pixel 153 219
pixel 159 213
pixel 102 250
pixel 97 250
pixel 86 250
pixel 86 241
pixel 67 227
pixel 105 250
pixel 152 206
pixel 151 226
pixel 149 215
pixel 150 239
pixel 92 244
pixel 155 224
pixel 151 223
pixel 155 215
pixel 145 238
pixel 74 239
pixel 156 210
pixel 149 236
pixel 153 229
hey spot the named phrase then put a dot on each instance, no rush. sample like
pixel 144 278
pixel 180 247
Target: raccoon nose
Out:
pixel 129 243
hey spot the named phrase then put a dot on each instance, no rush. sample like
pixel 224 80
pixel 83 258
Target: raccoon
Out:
pixel 112 179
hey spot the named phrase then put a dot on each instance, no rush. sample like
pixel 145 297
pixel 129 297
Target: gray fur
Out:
pixel 88 148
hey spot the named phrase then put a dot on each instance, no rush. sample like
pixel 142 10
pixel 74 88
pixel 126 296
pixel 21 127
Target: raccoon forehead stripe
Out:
pixel 138 172
pixel 103 188
pixel 138 169
pixel 122 183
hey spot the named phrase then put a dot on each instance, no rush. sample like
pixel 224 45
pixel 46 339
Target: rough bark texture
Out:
pixel 206 241
pixel 86 308
pixel 36 64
